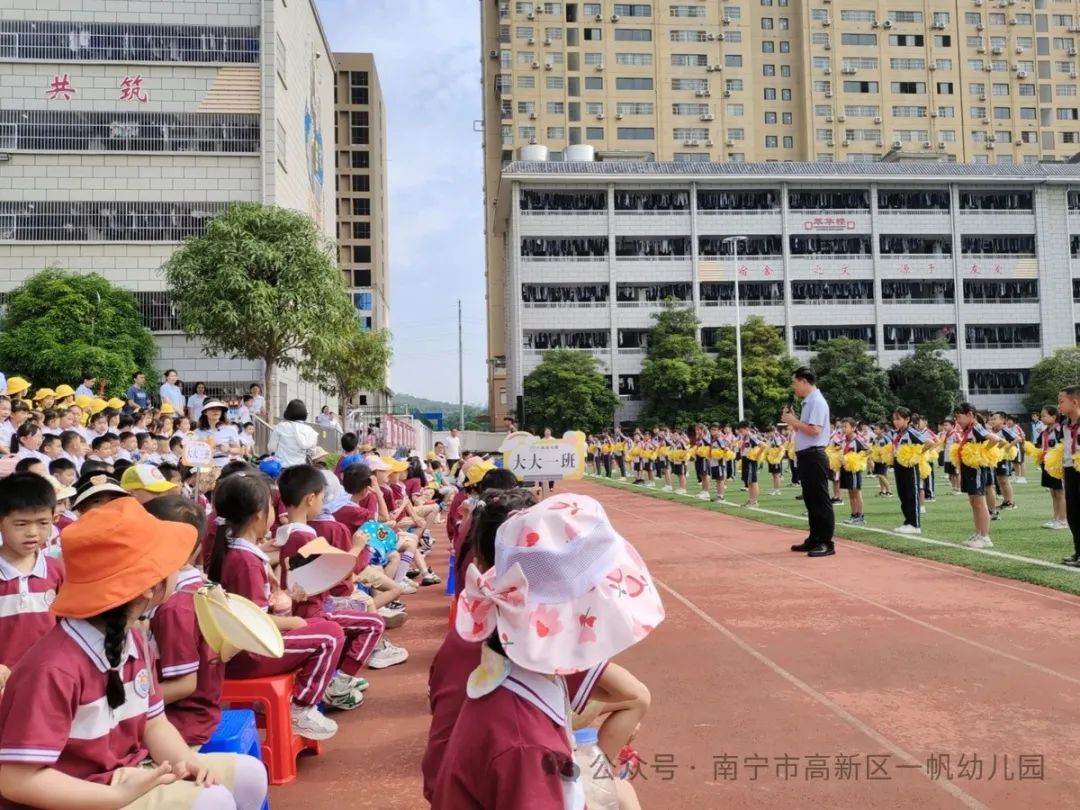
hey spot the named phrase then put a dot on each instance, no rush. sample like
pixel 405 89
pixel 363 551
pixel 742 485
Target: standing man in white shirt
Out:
pixel 453 449
pixel 811 435
pixel 170 391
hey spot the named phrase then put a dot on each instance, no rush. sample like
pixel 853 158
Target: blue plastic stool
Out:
pixel 451 575
pixel 236 734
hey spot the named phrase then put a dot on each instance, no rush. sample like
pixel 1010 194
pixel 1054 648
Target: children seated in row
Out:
pixel 82 719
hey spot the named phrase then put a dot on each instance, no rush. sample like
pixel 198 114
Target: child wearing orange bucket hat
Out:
pixel 566 594
pixel 82 711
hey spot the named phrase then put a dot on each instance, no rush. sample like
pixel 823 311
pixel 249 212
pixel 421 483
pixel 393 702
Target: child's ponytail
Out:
pixel 238 499
pixel 116 635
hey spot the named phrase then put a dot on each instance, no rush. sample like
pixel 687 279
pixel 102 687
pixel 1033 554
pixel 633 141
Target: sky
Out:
pixel 427 54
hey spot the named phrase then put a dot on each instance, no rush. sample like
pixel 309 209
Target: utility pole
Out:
pixel 460 372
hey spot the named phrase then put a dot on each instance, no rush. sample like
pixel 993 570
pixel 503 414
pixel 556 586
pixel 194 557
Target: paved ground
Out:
pixel 864 680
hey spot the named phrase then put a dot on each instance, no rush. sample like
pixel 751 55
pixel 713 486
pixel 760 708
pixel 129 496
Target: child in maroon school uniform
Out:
pixel 29 578
pixel 240 564
pixel 303 490
pixel 566 594
pixel 82 715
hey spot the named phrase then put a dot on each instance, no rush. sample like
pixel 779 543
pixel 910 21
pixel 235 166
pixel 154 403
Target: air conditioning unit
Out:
pixel 828 94
pixel 897 144
pixel 981 49
pixel 531 15
pixel 841 117
pixel 729 142
pixel 700 93
pixel 848 71
pixel 615 17
pixel 717 68
pixel 547 41
pixel 549 66
pixel 828 119
pixel 991 138
pixel 727 94
pixel 877 120
pixel 989 68
pixel 997 50
pixel 688 143
pixel 828 71
pixel 982 96
pixel 493 54
pixel 986 119
pixel 1015 66
pixel 532 116
pixel 531 40
pixel 1021 74
pixel 1072 74
pixel 726 21
pixel 845 142
pixel 827 22
pixel 932 66
pixel 1012 20
pixel 599 68
pixel 875 24
pixel 599 17
pixel 827 46
pixel 933 114
pixel 708 93
pixel 695 143
pixel 978 2
pixel 938 26
pixel 599 116
pixel 539 10
pixel 708 117
pixel 720 37
pixel 536 65
pixel 1019 49
pixel 830 143
pixel 927 145
pixel 887 24
pixel 989 144
pixel 881 143
pixel 1072 51
pixel 941 144
pixel 711 37
pixel 980 27
pixel 618 116
pixel 713 143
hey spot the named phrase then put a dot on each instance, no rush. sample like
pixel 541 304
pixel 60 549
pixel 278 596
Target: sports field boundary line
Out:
pixel 930 541
pixel 853 721
pixel 865 599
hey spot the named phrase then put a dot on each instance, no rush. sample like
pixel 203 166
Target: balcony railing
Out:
pixel 564 304
pixel 828 302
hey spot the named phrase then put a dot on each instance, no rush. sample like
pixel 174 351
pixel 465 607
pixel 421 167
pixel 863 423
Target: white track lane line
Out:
pixel 965 798
pixel 881 606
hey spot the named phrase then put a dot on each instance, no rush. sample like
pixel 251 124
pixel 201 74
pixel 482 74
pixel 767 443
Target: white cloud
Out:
pixel 427 55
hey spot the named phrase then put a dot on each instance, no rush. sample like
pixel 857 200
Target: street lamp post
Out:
pixel 734 241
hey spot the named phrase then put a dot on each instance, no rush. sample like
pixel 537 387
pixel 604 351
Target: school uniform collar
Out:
pixel 9 572
pixel 92 642
pixel 241 544
pixel 187 576
pixel 546 695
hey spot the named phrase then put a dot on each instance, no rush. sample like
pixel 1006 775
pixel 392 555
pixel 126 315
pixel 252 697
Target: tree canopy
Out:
pixel 849 377
pixel 59 324
pixel 767 368
pixel 357 362
pixel 676 372
pixel 261 283
pixel 1050 375
pixel 567 391
pixel 926 381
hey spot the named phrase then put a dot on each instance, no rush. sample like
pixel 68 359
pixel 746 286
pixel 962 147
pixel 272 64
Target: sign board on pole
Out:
pixel 533 458
pixel 198 453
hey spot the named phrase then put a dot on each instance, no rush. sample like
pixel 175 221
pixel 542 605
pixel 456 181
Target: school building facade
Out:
pixel 890 253
pixel 125 127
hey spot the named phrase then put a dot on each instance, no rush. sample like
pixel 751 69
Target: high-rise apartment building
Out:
pixel 982 81
pixel 125 127
pixel 361 191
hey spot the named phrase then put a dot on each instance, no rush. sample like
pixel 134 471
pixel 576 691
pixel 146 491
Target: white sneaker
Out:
pixel 981 542
pixel 387 655
pixel 344 693
pixel 922 510
pixel 905 529
pixel 309 722
pixel 680 491
pixel 1051 524
pixel 407 587
pixel 1020 481
pixel 703 496
pixel 668 488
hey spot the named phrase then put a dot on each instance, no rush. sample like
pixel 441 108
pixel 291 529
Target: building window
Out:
pixel 280 62
pixel 633 35
pixel 359 159
pixel 361 207
pixel 361 230
pixel 67 131
pixel 361 183
pixel 358 125
pixel 40 221
pixel 62 41
pixel 281 143
pixel 636 134
pixel 361 254
pixel 628 83
pixel 358 86
pixel 771 141
pixel 997 381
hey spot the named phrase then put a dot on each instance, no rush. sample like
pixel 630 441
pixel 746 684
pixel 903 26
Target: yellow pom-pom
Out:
pixel 995 455
pixel 855 462
pixel 756 453
pixel 924 469
pixel 716 453
pixel 954 455
pixel 887 455
pixel 972 455
pixel 1054 462
pixel 834 456
pixel 664 452
pixel 1030 449
pixel 1011 452
pixel 775 455
pixel 729 455
pixel 791 450
pixel 909 455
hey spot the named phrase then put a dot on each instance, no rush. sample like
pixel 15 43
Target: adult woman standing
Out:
pixel 195 403
pixel 293 439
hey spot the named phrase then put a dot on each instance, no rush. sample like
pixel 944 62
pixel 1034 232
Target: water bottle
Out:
pixel 596 776
pixel 451 575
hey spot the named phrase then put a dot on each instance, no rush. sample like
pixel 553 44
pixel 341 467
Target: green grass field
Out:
pixel 1022 549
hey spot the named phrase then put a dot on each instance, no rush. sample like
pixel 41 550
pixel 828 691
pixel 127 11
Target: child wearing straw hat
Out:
pixel 82 712
pixel 566 594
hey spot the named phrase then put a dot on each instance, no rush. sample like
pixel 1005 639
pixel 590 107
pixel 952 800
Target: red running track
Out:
pixel 863 680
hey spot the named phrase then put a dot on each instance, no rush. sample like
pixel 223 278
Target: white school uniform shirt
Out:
pixel 7 430
pixel 246 440
pixel 25 453
pixel 121 455
pixel 78 462
pixel 223 436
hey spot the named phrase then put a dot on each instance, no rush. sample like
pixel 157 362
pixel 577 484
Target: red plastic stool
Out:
pixel 280 747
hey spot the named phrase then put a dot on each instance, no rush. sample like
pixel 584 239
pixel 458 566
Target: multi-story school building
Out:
pixel 890 253
pixel 126 126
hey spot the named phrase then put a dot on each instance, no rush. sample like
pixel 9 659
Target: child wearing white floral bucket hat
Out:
pixel 567 592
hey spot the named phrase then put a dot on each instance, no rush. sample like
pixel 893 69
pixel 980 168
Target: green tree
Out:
pixel 676 372
pixel 926 381
pixel 767 371
pixel 1050 375
pixel 567 391
pixel 60 324
pixel 849 377
pixel 261 283
pixel 357 362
